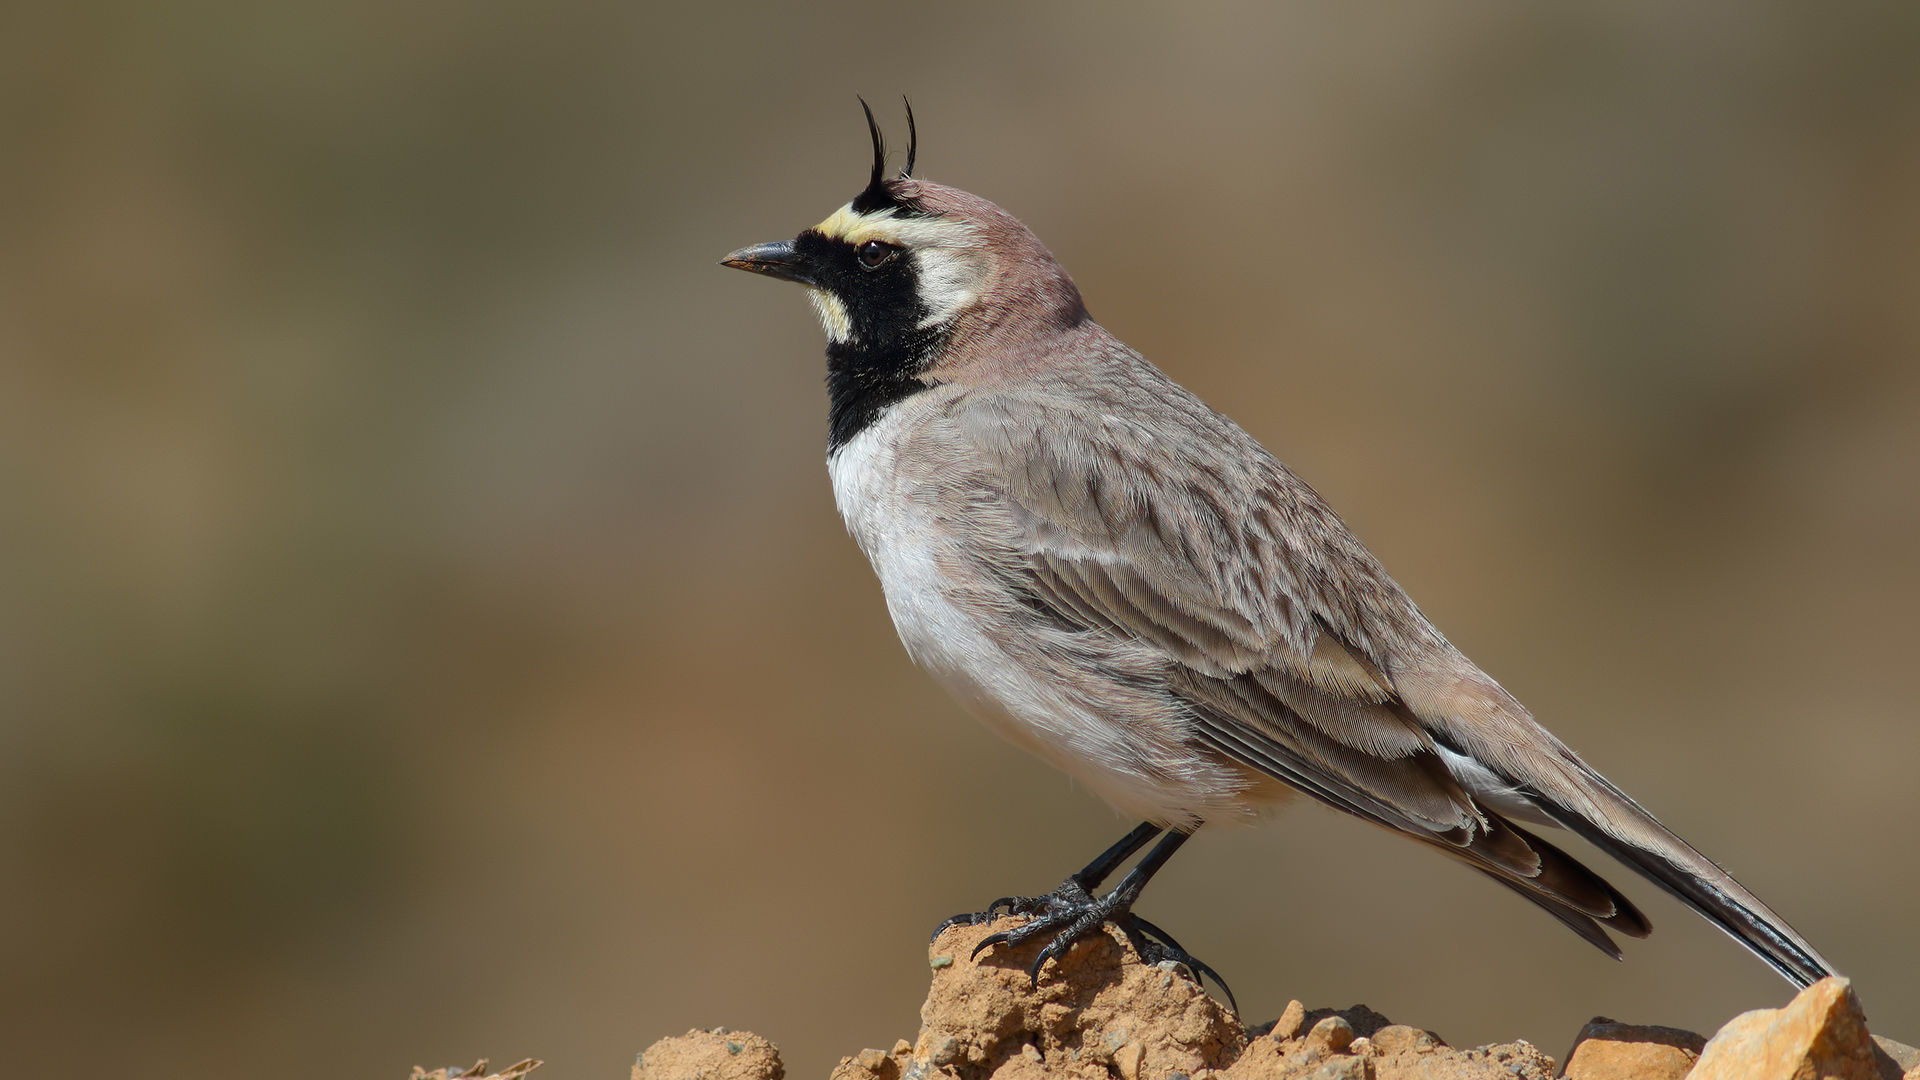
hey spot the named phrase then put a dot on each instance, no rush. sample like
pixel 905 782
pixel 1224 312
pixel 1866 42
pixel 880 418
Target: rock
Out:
pixel 1100 1014
pixel 1905 1058
pixel 1098 1011
pixel 1293 1020
pixel 1363 1020
pixel 478 1071
pixel 1438 1061
pixel 1399 1038
pixel 1330 1036
pixel 713 1055
pixel 1608 1050
pixel 1820 1035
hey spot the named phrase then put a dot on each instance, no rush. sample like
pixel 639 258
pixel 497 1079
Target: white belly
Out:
pixel 1129 746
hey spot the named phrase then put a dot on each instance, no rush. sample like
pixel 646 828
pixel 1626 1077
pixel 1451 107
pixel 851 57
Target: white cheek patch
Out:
pixel 833 315
pixel 949 281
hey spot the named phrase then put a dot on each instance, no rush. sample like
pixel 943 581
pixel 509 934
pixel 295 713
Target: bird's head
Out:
pixel 908 264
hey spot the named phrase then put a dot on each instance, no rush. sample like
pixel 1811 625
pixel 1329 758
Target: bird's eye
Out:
pixel 875 254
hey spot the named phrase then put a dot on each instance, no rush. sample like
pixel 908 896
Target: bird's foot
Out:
pixel 1069 894
pixel 1071 914
pixel 1068 914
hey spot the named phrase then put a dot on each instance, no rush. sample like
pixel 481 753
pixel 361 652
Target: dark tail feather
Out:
pixel 1727 904
pixel 1554 881
pixel 1578 922
pixel 1561 877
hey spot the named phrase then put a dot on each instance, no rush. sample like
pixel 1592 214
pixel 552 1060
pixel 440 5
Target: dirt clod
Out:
pixel 718 1054
pixel 478 1071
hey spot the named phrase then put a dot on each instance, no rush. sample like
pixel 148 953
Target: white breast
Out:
pixel 1130 747
pixel 890 518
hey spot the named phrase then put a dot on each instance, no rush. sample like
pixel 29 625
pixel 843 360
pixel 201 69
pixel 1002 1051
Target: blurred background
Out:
pixel 425 630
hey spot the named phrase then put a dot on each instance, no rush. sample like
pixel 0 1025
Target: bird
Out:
pixel 1121 580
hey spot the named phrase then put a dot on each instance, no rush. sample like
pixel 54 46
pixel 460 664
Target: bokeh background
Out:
pixel 425 631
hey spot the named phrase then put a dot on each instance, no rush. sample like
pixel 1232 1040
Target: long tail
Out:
pixel 1695 880
pixel 1502 755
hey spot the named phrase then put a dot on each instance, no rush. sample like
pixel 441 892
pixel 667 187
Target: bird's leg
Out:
pixel 1101 868
pixel 1074 918
pixel 1070 912
pixel 1073 910
pixel 1076 890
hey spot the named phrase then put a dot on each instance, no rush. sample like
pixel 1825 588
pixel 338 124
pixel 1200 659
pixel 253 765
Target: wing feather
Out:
pixel 1138 511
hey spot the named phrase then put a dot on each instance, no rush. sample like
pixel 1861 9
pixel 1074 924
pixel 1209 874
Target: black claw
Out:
pixel 957 920
pixel 1157 934
pixel 1174 951
pixel 1058 948
pixel 1203 969
pixel 989 942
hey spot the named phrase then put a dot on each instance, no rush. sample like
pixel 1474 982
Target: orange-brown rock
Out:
pixel 710 1055
pixel 478 1071
pixel 1820 1035
pixel 1098 1012
pixel 1101 1013
pixel 1608 1050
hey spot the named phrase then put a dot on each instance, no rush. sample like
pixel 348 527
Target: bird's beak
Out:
pixel 777 259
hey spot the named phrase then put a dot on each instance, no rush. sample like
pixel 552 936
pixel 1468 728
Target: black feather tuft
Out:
pixel 913 140
pixel 880 193
pixel 876 196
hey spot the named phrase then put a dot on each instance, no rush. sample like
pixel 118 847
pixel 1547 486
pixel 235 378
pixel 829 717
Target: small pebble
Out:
pixel 1395 1038
pixel 735 1047
pixel 902 1046
pixel 1292 1019
pixel 1333 1034
pixel 871 1060
pixel 939 962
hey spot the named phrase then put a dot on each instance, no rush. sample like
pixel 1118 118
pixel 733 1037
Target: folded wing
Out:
pixel 1298 656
